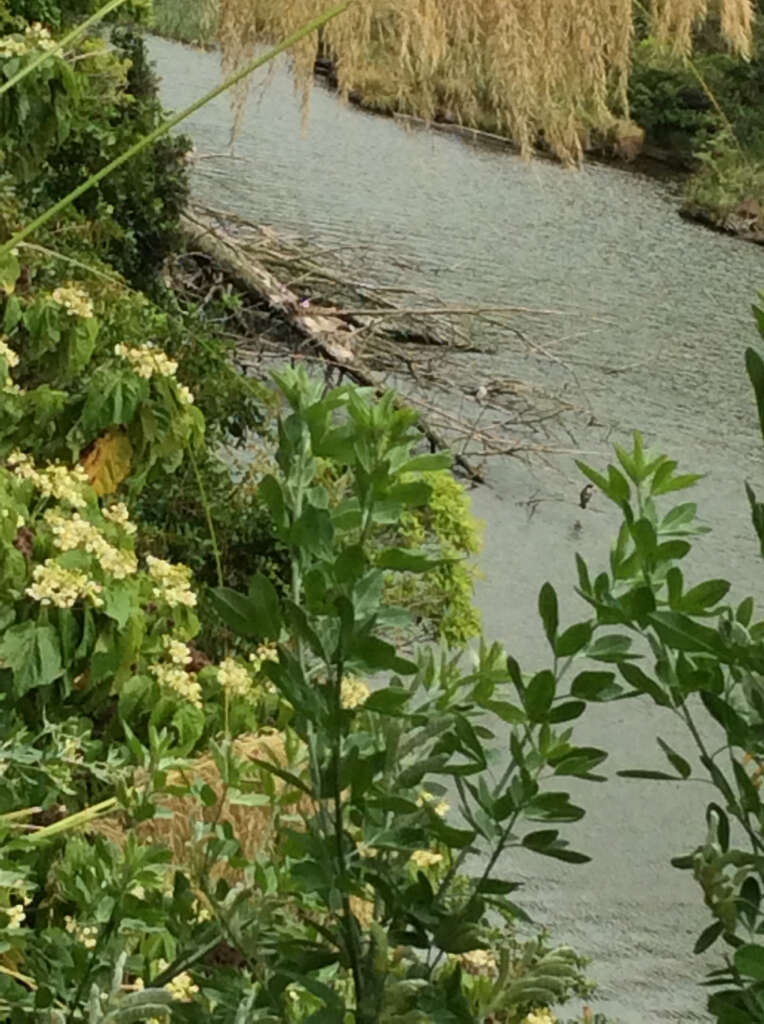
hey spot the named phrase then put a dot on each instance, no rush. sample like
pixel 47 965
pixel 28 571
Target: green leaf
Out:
pixel 677 762
pixel 390 701
pixel 613 647
pixel 684 634
pixel 595 686
pixel 408 560
pixel 567 711
pixel 33 653
pixel 703 596
pixel 539 695
pixel 507 712
pixel 749 960
pixel 757 515
pixel 744 611
pixel 236 610
pixel 549 612
pixel 10 269
pixel 426 463
pixel 634 675
pixel 676 483
pixel 645 773
pixel 573 640
pixel 264 598
pixel 755 369
pixel 708 937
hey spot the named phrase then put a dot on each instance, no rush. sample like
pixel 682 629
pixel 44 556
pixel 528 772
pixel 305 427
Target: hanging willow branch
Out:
pixel 546 68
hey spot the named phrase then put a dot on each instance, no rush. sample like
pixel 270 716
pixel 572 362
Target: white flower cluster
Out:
pixel 75 301
pixel 146 360
pixel 175 675
pixel 53 480
pixel 7 353
pixel 87 934
pixel 55 585
pixel 235 678
pixel 172 583
pixel 77 532
pixel 263 653
pixel 117 513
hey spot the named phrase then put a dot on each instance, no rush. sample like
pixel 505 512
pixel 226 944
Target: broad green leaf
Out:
pixel 744 612
pixel 595 686
pixel 676 483
pixel 33 653
pixel 507 712
pixel 749 960
pixel 567 711
pixel 757 515
pixel 539 695
pixel 389 701
pixel 703 596
pixel 682 633
pixel 263 597
pixel 634 675
pixel 613 647
pixel 573 640
pixel 236 610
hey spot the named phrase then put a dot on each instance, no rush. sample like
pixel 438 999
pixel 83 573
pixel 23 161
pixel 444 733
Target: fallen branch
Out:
pixel 328 334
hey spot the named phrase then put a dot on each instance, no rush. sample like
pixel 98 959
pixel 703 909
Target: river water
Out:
pixel 656 313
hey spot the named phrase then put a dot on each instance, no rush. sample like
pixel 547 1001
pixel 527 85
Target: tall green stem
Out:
pixel 171 122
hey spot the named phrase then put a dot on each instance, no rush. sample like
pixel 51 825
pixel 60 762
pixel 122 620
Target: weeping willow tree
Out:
pixel 547 69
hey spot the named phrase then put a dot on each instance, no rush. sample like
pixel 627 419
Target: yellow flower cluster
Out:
pixel 542 1016
pixel 425 858
pixel 354 692
pixel 235 678
pixel 53 480
pixel 53 584
pixel 425 799
pixel 7 353
pixel 75 301
pixel 16 916
pixel 12 47
pixel 184 394
pixel 87 934
pixel 146 360
pixel 76 532
pixel 117 513
pixel 479 961
pixel 175 676
pixel 172 583
pixel 182 987
pixel 40 37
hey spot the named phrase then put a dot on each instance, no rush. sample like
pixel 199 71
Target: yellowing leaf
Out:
pixel 9 272
pixel 108 461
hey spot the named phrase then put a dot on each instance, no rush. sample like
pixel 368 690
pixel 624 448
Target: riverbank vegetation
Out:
pixel 695 102
pixel 235 787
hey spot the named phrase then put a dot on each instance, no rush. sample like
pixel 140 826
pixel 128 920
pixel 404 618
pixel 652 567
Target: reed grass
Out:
pixel 549 71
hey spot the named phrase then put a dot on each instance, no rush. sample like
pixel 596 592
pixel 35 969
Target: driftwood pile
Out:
pixel 281 298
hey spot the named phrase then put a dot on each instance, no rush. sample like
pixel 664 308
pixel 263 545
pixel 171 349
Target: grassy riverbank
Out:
pixel 705 117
